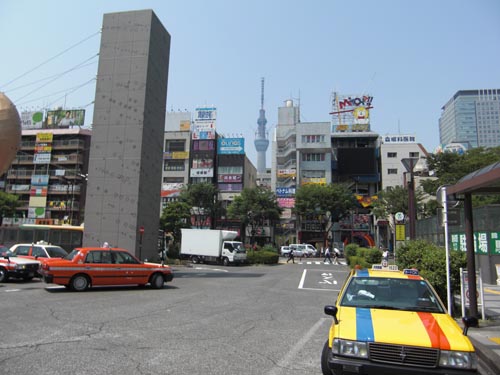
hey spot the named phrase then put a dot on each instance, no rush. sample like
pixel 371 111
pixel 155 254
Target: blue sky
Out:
pixel 411 56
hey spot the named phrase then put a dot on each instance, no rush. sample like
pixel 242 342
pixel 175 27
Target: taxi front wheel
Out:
pixel 157 281
pixel 324 360
pixel 79 283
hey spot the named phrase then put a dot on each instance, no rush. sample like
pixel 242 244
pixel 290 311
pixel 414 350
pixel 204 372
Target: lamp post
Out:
pixel 409 164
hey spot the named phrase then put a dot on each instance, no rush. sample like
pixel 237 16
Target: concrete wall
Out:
pixel 125 164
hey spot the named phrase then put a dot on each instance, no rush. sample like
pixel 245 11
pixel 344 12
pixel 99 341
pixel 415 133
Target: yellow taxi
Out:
pixel 85 267
pixel 387 321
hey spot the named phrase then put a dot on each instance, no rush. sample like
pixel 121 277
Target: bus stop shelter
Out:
pixel 484 181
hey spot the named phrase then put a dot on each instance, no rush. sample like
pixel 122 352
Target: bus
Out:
pixel 66 236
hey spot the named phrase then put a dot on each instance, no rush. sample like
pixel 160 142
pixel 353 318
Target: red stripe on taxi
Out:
pixel 436 334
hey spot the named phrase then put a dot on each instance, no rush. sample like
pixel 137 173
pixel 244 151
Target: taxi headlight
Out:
pixel 350 348
pixel 455 359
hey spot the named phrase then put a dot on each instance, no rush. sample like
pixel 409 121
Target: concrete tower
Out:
pixel 261 141
pixel 125 163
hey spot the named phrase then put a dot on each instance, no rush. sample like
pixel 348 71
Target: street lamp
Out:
pixel 409 164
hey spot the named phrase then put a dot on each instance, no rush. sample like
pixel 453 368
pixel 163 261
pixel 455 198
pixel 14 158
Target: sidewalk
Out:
pixel 486 338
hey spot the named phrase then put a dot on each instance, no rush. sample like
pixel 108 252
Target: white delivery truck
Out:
pixel 212 245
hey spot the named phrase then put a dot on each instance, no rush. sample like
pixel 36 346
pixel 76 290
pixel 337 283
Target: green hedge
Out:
pixel 262 257
pixel 361 256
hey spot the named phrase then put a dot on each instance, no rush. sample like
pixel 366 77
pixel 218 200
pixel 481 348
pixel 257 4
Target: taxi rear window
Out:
pixel 391 294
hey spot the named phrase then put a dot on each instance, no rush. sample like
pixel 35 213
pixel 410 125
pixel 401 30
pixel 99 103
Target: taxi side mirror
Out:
pixel 332 311
pixel 469 321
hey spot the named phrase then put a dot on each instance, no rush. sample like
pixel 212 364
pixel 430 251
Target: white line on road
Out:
pixel 302 279
pixel 12 290
pixel 283 364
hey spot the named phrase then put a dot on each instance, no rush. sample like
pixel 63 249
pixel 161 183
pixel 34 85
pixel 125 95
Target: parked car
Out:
pixel 97 266
pixel 285 250
pixel 298 250
pixel 14 267
pixel 304 250
pixel 391 321
pixel 38 250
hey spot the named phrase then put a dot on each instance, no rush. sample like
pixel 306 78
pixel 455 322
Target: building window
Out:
pixel 313 157
pixel 230 170
pixel 174 165
pixel 414 154
pixel 175 145
pixel 392 171
pixel 313 138
pixel 392 154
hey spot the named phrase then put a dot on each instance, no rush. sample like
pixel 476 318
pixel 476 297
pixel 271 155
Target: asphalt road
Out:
pixel 265 320
pixel 209 320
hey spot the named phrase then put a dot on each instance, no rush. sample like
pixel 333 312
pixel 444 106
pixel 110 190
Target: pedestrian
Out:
pixel 336 255
pixel 385 255
pixel 327 255
pixel 290 256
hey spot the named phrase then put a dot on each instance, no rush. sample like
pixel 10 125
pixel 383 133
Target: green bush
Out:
pixel 262 257
pixel 362 256
pixel 430 260
pixel 350 250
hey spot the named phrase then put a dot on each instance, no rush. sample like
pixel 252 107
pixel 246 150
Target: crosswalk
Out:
pixel 318 262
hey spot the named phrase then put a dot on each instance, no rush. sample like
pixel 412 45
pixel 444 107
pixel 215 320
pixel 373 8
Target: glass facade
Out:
pixel 471 117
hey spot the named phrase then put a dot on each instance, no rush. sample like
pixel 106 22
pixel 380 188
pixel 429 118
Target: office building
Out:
pixel 471 118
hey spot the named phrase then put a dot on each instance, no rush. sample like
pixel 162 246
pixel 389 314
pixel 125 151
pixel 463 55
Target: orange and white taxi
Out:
pixel 96 266
pixel 388 321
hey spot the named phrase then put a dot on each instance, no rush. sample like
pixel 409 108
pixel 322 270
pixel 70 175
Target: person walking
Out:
pixel 336 255
pixel 290 256
pixel 327 255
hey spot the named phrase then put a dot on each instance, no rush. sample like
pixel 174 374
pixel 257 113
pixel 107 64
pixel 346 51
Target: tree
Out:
pixel 8 205
pixel 395 199
pixel 328 203
pixel 450 167
pixel 176 215
pixel 253 207
pixel 204 203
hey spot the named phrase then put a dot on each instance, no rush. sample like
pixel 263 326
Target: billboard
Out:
pixel 231 146
pixel 31 120
pixel 351 113
pixel 65 118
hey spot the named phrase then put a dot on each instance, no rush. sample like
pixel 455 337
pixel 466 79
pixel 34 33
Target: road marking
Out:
pixel 12 290
pixel 211 269
pixel 284 363
pixel 491 291
pixel 302 279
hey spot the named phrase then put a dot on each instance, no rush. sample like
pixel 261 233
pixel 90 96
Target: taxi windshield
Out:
pixel 392 294
pixel 56 252
pixel 5 252
pixel 71 255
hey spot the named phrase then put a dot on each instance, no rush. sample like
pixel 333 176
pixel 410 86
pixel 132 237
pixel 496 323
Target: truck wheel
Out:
pixel 157 281
pixel 324 360
pixel 3 275
pixel 225 261
pixel 79 283
pixel 195 260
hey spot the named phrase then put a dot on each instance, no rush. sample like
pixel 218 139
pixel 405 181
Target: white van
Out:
pixel 303 250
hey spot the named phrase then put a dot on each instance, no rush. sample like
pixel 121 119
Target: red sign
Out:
pixel 141 230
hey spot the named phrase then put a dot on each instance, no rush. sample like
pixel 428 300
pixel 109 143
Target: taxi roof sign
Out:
pixel 411 271
pixel 385 267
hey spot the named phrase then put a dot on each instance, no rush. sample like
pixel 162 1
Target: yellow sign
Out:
pixel 44 137
pixel 400 232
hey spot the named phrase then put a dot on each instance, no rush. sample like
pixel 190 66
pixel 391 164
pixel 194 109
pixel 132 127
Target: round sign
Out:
pixel 399 216
pixel 141 229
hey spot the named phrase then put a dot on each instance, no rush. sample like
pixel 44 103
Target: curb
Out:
pixel 486 355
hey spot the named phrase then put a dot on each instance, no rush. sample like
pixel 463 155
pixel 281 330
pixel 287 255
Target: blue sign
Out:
pixel 284 192
pixel 231 146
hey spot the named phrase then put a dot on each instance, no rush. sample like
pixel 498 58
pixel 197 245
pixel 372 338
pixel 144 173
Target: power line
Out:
pixel 57 77
pixel 47 78
pixel 48 60
pixel 66 91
